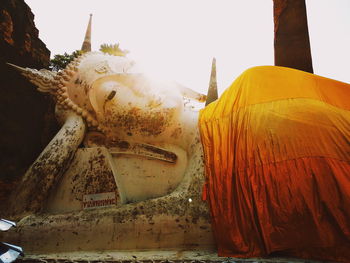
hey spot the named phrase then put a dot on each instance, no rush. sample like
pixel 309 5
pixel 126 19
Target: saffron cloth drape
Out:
pixel 277 160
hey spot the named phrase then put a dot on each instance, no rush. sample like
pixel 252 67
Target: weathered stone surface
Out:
pixel 34 188
pixel 157 178
pixel 90 172
pixel 292 44
pixel 26 117
pixel 154 256
pixel 19 38
pixel 179 220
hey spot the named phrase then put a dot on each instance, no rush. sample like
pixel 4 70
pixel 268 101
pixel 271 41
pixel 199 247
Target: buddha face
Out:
pixel 134 106
pixel 115 98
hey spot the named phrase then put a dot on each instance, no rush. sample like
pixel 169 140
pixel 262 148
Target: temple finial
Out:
pixel 86 47
pixel 213 87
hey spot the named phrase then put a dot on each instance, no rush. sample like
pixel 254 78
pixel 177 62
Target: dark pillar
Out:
pixel 27 121
pixel 292 44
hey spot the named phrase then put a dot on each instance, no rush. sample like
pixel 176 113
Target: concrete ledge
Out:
pixel 156 256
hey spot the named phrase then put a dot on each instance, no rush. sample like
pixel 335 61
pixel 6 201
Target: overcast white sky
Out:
pixel 177 39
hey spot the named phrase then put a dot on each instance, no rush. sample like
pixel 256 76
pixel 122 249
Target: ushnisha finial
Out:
pixel 44 79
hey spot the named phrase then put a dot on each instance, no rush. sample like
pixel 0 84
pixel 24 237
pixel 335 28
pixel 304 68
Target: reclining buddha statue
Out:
pixel 127 163
pixel 127 169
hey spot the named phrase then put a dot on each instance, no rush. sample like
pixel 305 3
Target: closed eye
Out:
pixel 111 95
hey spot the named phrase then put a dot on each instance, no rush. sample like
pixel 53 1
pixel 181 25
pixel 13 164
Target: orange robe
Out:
pixel 277 159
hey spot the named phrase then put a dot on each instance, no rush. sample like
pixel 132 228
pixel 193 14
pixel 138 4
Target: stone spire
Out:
pixel 86 47
pixel 213 87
